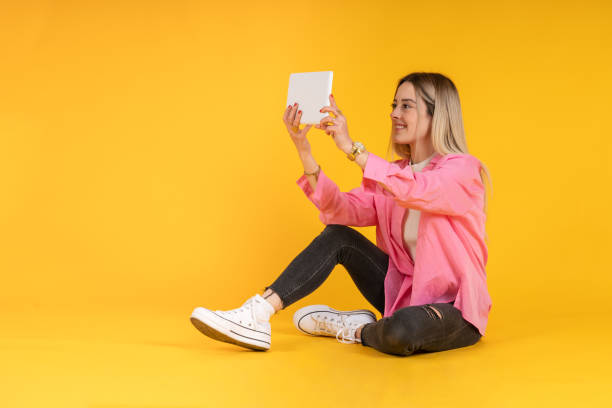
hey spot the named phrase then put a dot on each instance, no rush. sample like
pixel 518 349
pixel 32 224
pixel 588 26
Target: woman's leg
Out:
pixel 337 244
pixel 248 326
pixel 417 329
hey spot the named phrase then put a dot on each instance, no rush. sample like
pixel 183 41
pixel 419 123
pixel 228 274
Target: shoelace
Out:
pixel 248 303
pixel 345 334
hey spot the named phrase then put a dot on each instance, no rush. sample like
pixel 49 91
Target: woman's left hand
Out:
pixel 336 126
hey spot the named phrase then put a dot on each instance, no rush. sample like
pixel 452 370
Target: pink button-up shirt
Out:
pixel 450 253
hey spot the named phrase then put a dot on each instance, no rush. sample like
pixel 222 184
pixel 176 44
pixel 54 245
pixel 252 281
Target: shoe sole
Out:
pixel 209 328
pixel 308 310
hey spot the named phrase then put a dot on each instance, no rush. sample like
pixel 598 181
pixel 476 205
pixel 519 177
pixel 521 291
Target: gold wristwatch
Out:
pixel 357 148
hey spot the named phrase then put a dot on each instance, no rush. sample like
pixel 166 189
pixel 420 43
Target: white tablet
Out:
pixel 311 91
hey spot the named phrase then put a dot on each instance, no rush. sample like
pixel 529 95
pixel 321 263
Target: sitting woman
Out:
pixel 426 274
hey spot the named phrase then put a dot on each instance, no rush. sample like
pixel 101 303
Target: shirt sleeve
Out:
pixel 452 188
pixel 354 208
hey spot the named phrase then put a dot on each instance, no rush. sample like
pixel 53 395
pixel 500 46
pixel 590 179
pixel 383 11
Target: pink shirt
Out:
pixel 450 254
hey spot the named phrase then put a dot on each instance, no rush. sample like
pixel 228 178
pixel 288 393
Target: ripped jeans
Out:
pixel 413 329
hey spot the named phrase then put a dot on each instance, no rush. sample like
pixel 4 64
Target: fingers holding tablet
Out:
pixel 292 118
pixel 296 120
pixel 333 108
pixel 292 115
pixel 326 122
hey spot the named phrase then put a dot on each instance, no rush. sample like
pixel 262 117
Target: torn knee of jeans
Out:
pixel 437 311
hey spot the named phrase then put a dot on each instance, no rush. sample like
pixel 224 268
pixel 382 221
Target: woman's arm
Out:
pixel 453 188
pixel 355 207
pixel 310 165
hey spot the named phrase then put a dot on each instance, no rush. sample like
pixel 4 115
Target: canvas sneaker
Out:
pixel 321 320
pixel 247 326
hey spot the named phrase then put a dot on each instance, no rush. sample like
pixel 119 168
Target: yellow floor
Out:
pixel 140 359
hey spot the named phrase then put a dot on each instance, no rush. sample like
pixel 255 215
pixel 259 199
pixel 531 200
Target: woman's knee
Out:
pixel 341 239
pixel 339 234
pixel 337 229
pixel 398 337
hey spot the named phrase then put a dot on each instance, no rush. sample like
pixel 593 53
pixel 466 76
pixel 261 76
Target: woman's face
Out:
pixel 411 124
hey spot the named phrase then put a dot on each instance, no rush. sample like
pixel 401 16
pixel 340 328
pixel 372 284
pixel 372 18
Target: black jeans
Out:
pixel 413 329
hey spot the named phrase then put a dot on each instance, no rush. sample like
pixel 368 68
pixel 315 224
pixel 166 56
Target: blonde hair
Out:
pixel 447 135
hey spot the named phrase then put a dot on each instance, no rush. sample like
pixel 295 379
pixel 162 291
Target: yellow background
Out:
pixel 145 170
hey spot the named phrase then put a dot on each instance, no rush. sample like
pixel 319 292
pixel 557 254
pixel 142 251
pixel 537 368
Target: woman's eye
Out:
pixel 404 106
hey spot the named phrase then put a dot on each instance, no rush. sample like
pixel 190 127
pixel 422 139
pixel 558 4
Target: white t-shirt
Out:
pixel 411 223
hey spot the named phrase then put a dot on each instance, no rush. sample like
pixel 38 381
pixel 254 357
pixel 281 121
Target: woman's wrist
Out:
pixel 308 161
pixel 362 159
pixel 347 148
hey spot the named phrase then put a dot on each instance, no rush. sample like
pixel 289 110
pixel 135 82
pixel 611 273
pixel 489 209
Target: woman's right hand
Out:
pixel 291 118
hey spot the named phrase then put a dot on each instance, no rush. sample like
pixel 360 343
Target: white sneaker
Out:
pixel 321 320
pixel 247 326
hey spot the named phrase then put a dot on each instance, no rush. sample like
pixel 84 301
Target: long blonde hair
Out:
pixel 447 135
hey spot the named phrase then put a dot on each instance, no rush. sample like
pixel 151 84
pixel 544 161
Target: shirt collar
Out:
pixel 430 160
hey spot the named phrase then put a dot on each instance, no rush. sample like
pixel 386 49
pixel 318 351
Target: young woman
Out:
pixel 426 273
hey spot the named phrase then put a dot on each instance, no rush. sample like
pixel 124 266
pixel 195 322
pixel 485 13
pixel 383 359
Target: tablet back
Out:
pixel 311 91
